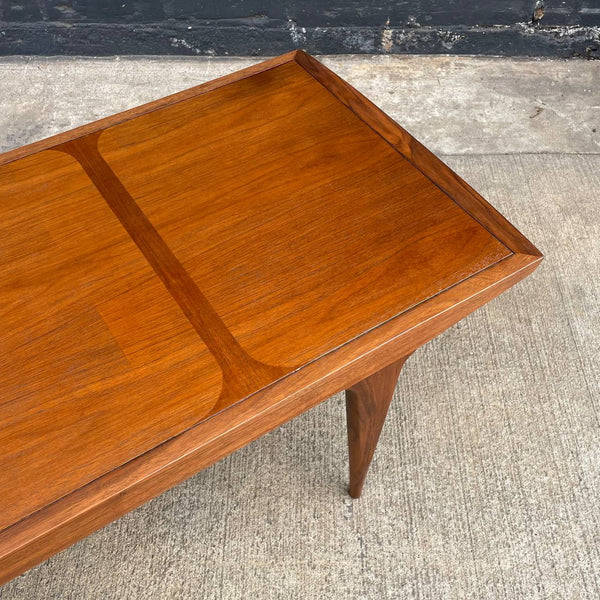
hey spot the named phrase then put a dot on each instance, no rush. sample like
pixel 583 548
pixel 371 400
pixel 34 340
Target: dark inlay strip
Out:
pixel 242 374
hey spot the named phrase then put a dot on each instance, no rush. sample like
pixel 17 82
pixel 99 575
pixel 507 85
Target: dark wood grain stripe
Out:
pixel 242 374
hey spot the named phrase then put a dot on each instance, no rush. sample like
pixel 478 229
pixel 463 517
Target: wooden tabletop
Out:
pixel 248 239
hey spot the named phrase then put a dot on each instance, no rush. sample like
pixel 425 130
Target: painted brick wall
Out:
pixel 258 27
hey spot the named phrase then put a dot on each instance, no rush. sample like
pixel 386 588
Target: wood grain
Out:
pixel 312 191
pixel 418 155
pixel 95 356
pixel 182 278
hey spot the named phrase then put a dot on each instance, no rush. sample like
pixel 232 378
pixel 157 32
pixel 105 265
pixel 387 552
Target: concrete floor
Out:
pixel 454 105
pixel 486 483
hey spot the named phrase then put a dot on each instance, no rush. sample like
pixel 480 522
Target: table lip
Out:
pixel 523 259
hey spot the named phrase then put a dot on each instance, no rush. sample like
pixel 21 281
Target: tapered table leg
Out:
pixel 367 405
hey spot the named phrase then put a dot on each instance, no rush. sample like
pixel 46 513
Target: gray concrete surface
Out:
pixel 486 483
pixel 463 105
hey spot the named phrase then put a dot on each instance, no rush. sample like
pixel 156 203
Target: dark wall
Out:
pixel 259 27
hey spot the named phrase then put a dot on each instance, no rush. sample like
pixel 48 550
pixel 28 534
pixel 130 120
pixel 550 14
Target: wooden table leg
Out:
pixel 367 405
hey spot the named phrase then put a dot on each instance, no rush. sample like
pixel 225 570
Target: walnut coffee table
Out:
pixel 183 277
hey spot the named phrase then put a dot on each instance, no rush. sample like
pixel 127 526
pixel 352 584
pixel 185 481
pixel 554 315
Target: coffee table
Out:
pixel 183 277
